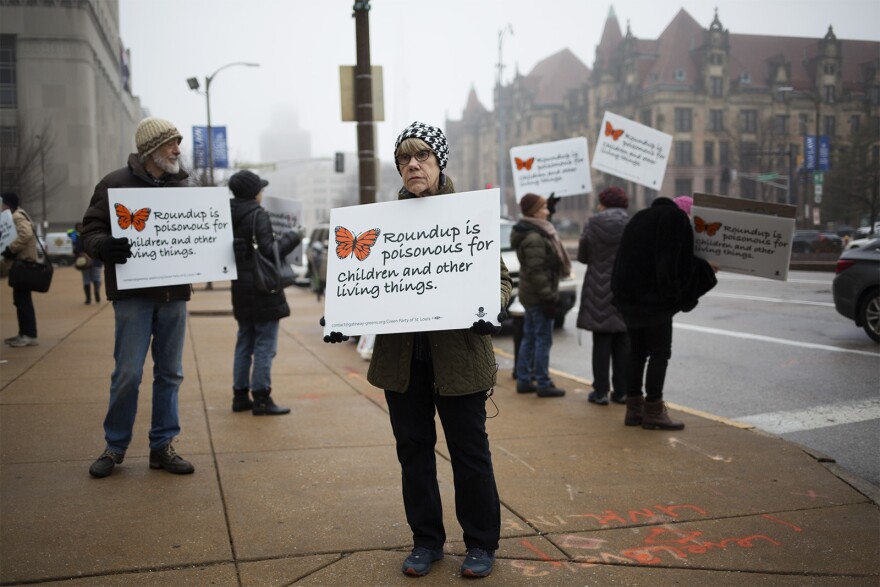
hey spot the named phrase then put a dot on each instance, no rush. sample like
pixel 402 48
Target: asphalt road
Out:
pixel 773 354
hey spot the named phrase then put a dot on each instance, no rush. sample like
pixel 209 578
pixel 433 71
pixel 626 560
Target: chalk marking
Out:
pixel 816 417
pixel 675 441
pixel 783 522
pixel 514 457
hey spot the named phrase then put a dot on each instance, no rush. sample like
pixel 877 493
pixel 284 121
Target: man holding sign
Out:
pixel 145 317
pixel 451 372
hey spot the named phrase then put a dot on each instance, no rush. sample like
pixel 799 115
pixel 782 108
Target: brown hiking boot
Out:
pixel 657 418
pixel 634 410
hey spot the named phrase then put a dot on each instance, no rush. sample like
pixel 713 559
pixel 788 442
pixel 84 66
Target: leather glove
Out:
pixel 483 328
pixel 333 337
pixel 116 250
pixel 551 203
pixel 548 309
pixel 7 254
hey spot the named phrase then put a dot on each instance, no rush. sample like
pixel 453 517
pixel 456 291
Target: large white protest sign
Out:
pixel 7 229
pixel 744 236
pixel 561 167
pixel 285 215
pixel 414 265
pixel 177 235
pixel 632 151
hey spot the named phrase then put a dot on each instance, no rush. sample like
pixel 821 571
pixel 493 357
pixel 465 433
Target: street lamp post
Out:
pixel 501 154
pixel 194 85
pixel 817 102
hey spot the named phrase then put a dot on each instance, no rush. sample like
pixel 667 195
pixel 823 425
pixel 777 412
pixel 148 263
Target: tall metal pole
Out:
pixel 502 157
pixel 363 99
pixel 210 136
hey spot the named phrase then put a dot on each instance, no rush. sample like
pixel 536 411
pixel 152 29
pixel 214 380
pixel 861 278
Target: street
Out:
pixel 776 355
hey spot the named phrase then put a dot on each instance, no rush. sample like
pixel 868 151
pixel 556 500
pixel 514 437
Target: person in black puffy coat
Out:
pixel 258 314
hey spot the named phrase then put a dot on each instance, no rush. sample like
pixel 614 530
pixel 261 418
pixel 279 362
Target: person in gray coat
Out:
pixel 597 249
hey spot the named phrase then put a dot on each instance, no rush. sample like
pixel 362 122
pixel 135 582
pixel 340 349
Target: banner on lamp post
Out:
pixel 200 147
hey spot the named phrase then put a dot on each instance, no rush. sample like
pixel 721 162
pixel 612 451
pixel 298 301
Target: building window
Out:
pixel 745 77
pixel 830 126
pixel 828 68
pixel 709 185
pixel 684 186
pixel 855 123
pixel 716 88
pixel 646 117
pixel 680 75
pixel 803 120
pixel 709 153
pixel 8 81
pixel 716 120
pixel 874 95
pixel 683 119
pixel 829 94
pixel 724 153
pixel 684 153
pixel 716 59
pixel 749 120
pixel 780 124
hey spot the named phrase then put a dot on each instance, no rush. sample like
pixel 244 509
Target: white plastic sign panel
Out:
pixel 7 229
pixel 285 215
pixel 632 151
pixel 561 167
pixel 744 236
pixel 414 265
pixel 177 235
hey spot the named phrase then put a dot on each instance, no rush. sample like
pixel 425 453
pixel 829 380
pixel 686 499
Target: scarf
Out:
pixel 547 227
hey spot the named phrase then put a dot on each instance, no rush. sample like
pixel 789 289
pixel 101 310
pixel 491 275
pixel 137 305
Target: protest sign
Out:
pixel 285 215
pixel 414 265
pixel 560 167
pixel 632 151
pixel 744 236
pixel 7 229
pixel 177 235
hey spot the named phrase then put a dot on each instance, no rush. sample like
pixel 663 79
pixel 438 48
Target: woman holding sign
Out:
pixel 451 372
pixel 258 313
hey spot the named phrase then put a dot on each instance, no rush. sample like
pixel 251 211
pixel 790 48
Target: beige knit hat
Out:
pixel 152 133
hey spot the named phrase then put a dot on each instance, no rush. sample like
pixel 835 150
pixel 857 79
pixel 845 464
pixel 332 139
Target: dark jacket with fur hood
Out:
pixel 247 302
pixel 656 273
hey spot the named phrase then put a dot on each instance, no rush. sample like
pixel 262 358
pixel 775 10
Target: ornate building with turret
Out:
pixel 737 106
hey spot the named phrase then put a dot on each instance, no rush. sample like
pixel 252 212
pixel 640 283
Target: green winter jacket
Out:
pixel 463 362
pixel 539 265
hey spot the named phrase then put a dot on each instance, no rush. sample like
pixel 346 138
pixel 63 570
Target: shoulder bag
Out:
pixel 270 275
pixel 31 275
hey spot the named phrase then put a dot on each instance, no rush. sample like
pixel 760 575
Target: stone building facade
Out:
pixel 737 106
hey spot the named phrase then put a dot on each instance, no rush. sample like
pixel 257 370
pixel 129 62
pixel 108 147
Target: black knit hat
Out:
pixel 10 199
pixel 432 135
pixel 246 184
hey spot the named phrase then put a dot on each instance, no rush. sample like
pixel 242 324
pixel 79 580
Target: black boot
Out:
pixel 240 400
pixel 264 406
pixel 97 292
pixel 88 291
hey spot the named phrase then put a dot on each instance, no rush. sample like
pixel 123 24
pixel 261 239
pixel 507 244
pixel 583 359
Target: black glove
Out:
pixel 333 337
pixel 483 328
pixel 549 310
pixel 116 250
pixel 7 254
pixel 551 203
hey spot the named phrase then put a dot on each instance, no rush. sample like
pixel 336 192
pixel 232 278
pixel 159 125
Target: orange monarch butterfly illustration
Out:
pixel 127 218
pixel 610 132
pixel 701 225
pixel 527 163
pixel 360 245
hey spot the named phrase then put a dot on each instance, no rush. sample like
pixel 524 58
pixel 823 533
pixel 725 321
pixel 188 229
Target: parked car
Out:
pixel 59 248
pixel 816 241
pixel 856 287
pixel 567 286
pixel 301 269
pixel 860 242
pixel 864 231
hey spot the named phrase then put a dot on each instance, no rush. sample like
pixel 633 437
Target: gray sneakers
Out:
pixel 22 341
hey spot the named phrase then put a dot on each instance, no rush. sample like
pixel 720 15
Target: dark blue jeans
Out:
pixel 651 344
pixel 256 344
pixel 533 359
pixel 463 417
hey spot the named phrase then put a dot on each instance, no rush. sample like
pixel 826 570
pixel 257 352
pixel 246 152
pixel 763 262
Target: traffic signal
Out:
pixel 340 162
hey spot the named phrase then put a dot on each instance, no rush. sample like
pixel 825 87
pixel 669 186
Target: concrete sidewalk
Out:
pixel 313 498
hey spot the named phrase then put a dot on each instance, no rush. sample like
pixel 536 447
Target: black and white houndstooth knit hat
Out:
pixel 431 135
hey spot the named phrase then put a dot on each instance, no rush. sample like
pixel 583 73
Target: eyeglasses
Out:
pixel 421 156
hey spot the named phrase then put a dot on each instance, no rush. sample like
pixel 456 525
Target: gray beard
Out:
pixel 166 165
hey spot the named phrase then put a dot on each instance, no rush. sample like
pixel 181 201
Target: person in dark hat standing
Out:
pixel 452 373
pixel 542 262
pixel 146 318
pixel 23 247
pixel 597 249
pixel 258 313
